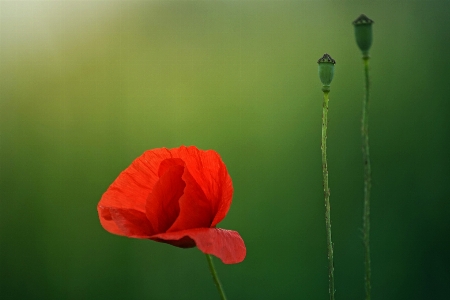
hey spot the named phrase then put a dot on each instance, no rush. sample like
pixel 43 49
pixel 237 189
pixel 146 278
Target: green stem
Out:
pixel 367 176
pixel 215 277
pixel 326 192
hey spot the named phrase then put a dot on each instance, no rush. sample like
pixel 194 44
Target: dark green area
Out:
pixel 86 87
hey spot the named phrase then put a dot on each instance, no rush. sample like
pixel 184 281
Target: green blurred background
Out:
pixel 87 86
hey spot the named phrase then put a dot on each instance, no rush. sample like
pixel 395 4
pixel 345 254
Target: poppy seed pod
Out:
pixel 363 33
pixel 326 71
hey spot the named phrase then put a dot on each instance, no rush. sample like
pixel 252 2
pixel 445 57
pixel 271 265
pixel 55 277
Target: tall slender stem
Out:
pixel 326 192
pixel 212 269
pixel 367 176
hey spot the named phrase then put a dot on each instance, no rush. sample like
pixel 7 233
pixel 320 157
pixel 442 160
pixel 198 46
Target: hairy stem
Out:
pixel 326 192
pixel 367 177
pixel 212 269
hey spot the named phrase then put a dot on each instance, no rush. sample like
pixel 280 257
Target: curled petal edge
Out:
pixel 225 244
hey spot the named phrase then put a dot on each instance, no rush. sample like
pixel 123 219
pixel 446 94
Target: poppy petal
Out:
pixel 166 164
pixel 162 207
pixel 129 222
pixel 132 187
pixel 195 208
pixel 107 221
pixel 210 173
pixel 225 244
pixel 226 194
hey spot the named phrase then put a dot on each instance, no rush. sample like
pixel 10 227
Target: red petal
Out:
pixel 128 222
pixel 131 189
pixel 211 175
pixel 195 208
pixel 162 204
pixel 107 221
pixel 225 244
pixel 166 164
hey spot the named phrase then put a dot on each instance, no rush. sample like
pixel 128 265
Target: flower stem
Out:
pixel 215 277
pixel 367 176
pixel 326 192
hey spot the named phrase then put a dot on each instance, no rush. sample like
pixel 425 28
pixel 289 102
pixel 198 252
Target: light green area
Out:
pixel 87 86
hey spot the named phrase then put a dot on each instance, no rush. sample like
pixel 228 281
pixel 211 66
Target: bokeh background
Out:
pixel 87 86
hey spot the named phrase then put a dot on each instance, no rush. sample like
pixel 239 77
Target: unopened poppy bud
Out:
pixel 326 71
pixel 363 33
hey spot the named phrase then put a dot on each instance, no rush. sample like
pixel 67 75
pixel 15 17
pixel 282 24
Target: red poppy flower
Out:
pixel 175 196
